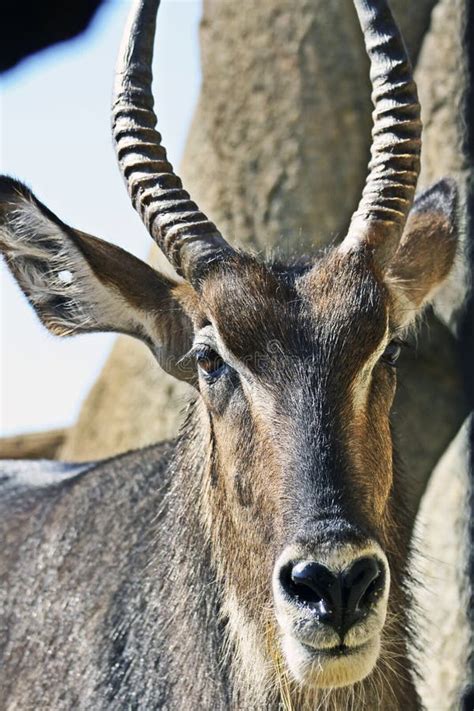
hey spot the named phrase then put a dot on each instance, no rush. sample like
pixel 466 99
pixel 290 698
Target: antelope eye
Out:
pixel 210 363
pixel 392 353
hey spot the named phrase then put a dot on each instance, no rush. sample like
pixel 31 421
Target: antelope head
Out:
pixel 294 368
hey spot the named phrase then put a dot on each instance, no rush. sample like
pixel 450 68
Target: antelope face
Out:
pixel 297 372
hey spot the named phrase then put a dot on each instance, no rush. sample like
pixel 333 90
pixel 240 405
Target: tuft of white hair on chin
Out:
pixel 310 670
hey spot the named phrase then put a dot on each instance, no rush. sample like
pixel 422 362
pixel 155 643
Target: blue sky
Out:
pixel 55 136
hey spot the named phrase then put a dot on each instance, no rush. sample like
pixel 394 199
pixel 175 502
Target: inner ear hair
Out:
pixel 68 276
pixel 78 283
pixel 426 252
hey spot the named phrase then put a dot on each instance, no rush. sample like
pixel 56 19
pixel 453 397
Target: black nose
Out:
pixel 339 599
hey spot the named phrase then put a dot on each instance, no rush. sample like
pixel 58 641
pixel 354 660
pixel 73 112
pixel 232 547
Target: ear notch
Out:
pixel 426 252
pixel 78 283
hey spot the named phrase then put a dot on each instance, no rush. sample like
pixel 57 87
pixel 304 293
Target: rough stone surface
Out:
pixel 440 76
pixel 135 391
pixel 37 445
pixel 441 540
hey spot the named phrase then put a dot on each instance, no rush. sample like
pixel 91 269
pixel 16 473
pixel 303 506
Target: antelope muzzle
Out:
pixel 331 605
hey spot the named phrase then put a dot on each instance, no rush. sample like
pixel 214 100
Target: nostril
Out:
pixel 363 583
pixel 310 583
pixel 307 582
pixel 296 588
pixel 374 590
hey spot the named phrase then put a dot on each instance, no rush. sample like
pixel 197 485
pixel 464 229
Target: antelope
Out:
pixel 260 560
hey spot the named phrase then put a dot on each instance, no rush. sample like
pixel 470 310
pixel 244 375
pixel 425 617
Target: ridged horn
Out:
pixel 187 238
pixel 396 135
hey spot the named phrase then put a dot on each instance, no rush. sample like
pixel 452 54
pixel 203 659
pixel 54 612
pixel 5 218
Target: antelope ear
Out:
pixel 426 252
pixel 78 284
